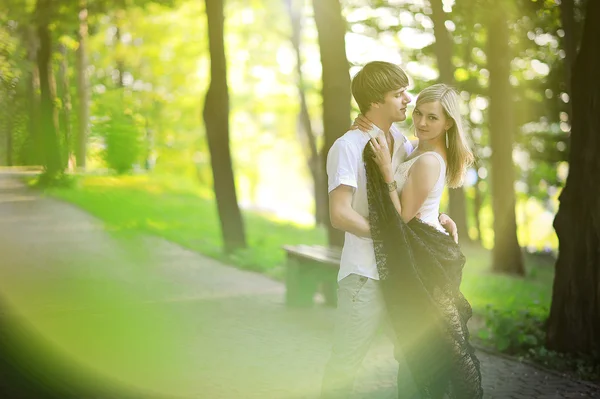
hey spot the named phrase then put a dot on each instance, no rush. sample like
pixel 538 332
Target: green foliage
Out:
pixel 514 331
pixel 46 181
pixel 522 332
pixel 122 143
pixel 121 129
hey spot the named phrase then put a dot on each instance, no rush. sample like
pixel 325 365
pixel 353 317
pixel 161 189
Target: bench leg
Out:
pixel 300 284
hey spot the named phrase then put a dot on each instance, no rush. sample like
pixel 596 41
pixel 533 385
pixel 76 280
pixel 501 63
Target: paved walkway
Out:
pixel 150 318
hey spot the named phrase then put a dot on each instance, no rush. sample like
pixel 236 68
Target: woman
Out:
pixel 420 266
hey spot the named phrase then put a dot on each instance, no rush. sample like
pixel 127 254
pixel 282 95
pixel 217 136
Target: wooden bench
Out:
pixel 311 268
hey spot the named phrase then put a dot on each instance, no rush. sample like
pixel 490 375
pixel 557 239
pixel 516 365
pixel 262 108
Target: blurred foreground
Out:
pixel 94 314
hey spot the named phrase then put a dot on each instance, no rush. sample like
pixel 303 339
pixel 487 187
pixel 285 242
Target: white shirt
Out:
pixel 345 166
pixel 430 210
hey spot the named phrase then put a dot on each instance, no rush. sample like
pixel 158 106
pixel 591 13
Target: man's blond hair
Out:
pixel 374 80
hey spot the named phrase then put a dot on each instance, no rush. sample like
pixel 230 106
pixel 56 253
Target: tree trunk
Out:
pixel 506 255
pixel 65 115
pixel 148 162
pixel 9 146
pixel 477 202
pixel 7 123
pixel 34 145
pixel 443 43
pixel 567 18
pixel 310 142
pixel 574 324
pixel 457 209
pixel 216 119
pixel 336 85
pixel 82 87
pixel 48 117
pixel 457 205
pixel 117 43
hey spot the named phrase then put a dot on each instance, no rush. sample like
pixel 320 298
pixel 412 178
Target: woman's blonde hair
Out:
pixel 459 155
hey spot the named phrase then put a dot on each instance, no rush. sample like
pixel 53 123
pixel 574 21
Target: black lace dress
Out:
pixel 420 270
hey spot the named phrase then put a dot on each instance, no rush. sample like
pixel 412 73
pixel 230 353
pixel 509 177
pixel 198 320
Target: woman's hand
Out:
pixel 382 157
pixel 362 123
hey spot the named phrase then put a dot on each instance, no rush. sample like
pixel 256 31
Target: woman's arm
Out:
pixel 388 177
pixel 383 159
pixel 421 178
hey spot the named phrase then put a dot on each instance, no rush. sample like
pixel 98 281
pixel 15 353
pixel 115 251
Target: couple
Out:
pixel 399 265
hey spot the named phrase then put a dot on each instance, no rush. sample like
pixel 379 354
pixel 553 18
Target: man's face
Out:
pixel 394 105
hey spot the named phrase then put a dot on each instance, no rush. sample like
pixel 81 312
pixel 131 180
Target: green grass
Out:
pixel 180 212
pixel 176 210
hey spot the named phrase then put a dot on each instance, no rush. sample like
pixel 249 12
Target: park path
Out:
pixel 147 318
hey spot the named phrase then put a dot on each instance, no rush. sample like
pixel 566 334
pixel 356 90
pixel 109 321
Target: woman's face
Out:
pixel 430 120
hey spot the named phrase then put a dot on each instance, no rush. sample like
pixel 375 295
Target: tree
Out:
pixel 314 160
pixel 567 17
pixel 83 107
pixel 443 45
pixel 34 146
pixel 574 323
pixel 216 119
pixel 336 83
pixel 65 114
pixel 506 255
pixel 49 135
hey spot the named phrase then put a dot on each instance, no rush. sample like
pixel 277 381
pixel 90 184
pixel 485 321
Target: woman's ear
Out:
pixel 449 123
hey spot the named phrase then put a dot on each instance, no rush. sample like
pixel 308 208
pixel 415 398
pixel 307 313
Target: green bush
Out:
pixel 121 130
pixel 513 331
pixel 122 140
pixel 523 333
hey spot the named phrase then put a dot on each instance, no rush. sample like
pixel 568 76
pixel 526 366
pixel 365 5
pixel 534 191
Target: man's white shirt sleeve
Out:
pixel 342 165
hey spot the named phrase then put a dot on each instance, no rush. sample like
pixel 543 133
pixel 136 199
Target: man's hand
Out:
pixel 449 225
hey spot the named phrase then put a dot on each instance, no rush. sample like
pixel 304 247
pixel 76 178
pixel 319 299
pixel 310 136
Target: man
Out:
pixel 380 91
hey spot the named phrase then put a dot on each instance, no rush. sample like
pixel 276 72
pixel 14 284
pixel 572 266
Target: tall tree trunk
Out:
pixel 314 162
pixel 34 151
pixel 506 255
pixel 117 43
pixel 82 87
pixel 331 27
pixel 574 324
pixel 65 115
pixel 216 119
pixel 48 117
pixel 457 203
pixel 7 121
pixel 9 145
pixel 567 17
pixel 149 138
pixel 477 202
pixel 443 43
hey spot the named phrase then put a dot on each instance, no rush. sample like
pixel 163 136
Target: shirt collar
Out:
pixel 396 133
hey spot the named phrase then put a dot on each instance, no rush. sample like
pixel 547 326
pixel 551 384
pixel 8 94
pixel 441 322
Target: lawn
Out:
pixel 179 211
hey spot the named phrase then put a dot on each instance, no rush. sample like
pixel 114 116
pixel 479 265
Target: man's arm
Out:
pixel 343 216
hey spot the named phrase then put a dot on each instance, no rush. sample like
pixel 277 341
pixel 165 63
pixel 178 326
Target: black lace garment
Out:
pixel 420 270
